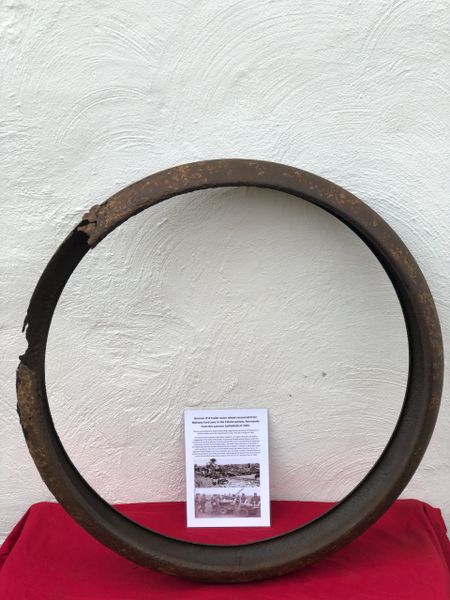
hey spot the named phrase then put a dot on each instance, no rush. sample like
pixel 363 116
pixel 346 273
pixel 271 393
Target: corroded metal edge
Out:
pixel 101 219
pixel 299 547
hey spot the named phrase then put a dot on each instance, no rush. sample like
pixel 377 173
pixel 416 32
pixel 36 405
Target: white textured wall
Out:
pixel 225 298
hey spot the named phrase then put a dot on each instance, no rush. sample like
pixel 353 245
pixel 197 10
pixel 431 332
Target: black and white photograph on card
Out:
pixel 242 503
pixel 213 473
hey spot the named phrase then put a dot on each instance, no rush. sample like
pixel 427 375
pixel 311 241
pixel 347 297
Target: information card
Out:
pixel 227 468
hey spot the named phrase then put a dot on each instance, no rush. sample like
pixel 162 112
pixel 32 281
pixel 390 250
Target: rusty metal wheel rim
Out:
pixel 301 546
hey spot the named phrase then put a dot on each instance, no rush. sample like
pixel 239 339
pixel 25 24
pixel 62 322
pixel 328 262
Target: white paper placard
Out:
pixel 227 468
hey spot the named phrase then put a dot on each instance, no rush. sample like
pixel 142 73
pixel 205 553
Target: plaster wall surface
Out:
pixel 229 297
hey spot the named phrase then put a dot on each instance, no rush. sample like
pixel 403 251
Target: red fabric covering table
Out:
pixel 405 555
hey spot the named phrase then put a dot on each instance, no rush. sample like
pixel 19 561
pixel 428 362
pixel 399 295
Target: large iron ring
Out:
pixel 302 546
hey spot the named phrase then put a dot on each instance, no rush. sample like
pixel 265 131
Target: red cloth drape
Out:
pixel 405 555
